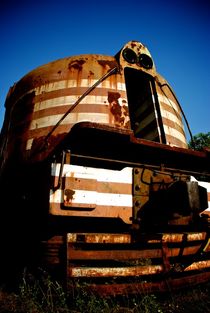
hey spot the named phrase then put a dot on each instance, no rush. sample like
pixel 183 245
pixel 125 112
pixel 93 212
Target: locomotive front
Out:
pixel 97 149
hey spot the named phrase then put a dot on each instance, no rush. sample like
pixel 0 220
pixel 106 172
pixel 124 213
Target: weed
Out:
pixel 44 295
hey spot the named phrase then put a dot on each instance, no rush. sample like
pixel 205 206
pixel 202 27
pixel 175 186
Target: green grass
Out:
pixel 45 295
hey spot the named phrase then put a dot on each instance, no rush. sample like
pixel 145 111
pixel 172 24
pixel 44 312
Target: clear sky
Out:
pixel 177 33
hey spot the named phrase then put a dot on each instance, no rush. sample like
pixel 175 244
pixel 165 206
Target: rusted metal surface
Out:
pixel 41 99
pixel 115 271
pixel 92 255
pixel 170 262
pixel 96 148
pixel 92 192
pixel 132 151
pixel 99 238
pixel 165 285
pixel 76 254
pixel 153 200
pixel 44 95
pixel 163 100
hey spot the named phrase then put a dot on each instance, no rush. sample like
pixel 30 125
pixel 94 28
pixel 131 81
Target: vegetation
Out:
pixel 200 141
pixel 47 296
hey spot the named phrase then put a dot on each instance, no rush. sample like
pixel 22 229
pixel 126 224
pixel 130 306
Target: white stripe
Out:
pixel 70 100
pixel 112 199
pixel 169 102
pixel 93 197
pixel 124 176
pixel 99 174
pixel 70 119
pixel 55 102
pixel 172 117
pixel 62 84
pixel 174 133
pixel 115 271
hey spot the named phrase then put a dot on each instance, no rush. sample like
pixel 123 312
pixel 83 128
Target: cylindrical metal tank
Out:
pixel 36 105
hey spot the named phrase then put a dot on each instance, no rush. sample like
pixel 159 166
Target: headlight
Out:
pixel 129 55
pixel 145 61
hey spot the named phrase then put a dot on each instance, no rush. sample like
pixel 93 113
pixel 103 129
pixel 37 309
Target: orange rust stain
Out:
pixel 119 113
pixel 76 64
pixel 69 195
pixel 105 63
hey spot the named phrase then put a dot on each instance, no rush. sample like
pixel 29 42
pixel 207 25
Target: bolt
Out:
pixel 137 203
pixel 137 187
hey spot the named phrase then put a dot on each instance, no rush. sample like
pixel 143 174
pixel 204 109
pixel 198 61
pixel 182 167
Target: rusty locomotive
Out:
pixel 97 181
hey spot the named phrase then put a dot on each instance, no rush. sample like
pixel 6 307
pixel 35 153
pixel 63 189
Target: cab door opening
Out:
pixel 145 117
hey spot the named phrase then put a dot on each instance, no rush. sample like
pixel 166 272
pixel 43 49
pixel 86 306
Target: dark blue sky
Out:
pixel 177 33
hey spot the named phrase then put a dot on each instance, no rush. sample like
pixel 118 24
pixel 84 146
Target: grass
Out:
pixel 44 295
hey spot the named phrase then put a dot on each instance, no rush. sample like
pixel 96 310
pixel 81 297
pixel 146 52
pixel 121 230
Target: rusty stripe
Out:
pixel 88 184
pixel 175 141
pixel 172 124
pixel 78 91
pixel 177 237
pixel 117 255
pixel 172 117
pixel 80 198
pixel 72 118
pixel 191 250
pixel 62 109
pixel 40 132
pixel 71 82
pixel 174 133
pixel 199 265
pixel 173 110
pixel 165 96
pixel 111 187
pixel 71 99
pixel 77 183
pixel 196 236
pixel 99 238
pixel 55 240
pixel 114 271
pixel 163 285
pixel 123 213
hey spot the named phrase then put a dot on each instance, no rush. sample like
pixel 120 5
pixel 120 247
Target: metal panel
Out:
pixel 87 191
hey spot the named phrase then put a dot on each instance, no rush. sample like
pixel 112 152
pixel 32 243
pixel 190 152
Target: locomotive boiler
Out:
pixel 97 181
